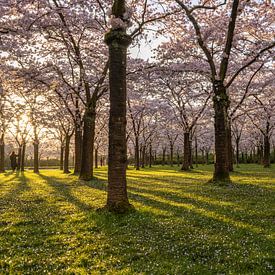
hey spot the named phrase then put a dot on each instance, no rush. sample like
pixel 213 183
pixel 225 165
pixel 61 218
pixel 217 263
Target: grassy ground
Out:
pixel 183 225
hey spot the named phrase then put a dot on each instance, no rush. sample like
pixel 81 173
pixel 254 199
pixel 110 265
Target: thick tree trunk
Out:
pixel 118 41
pixel 186 152
pixel 66 154
pixel 77 149
pixel 221 104
pixel 36 156
pixel 230 148
pixel 86 171
pixel 266 153
pixel 2 154
pixel 22 168
pixel 61 164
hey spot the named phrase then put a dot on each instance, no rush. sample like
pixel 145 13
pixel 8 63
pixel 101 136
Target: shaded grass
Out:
pixel 48 224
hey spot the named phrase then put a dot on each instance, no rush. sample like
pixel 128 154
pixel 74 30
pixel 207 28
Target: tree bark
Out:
pixel 230 148
pixel 19 158
pixel 221 104
pixel 137 164
pixel 77 149
pixel 86 171
pixel 96 158
pixel 66 154
pixel 171 155
pixel 2 154
pixel 36 156
pixel 61 165
pixel 150 155
pixel 186 152
pixel 266 153
pixel 238 151
pixel 163 156
pixel 117 41
pixel 143 156
pixel 22 167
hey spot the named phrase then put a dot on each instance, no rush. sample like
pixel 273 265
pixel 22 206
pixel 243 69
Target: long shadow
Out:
pixel 65 191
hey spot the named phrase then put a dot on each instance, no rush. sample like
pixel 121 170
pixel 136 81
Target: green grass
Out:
pixel 183 225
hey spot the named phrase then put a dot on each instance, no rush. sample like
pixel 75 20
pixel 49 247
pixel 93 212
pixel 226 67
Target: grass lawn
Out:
pixel 183 225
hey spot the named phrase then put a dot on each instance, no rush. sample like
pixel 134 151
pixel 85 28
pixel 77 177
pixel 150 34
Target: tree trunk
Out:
pixel 2 154
pixel 143 156
pixel 96 158
pixel 163 156
pixel 117 41
pixel 171 155
pixel 238 151
pixel 150 155
pixel 221 104
pixel 86 171
pixel 22 168
pixel 36 156
pixel 77 149
pixel 66 154
pixel 178 158
pixel 266 153
pixel 230 148
pixel 190 155
pixel 137 164
pixel 196 151
pixel 61 165
pixel 186 152
pixel 19 158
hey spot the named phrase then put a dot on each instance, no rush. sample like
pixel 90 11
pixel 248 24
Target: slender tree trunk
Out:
pixel 186 152
pixel 171 155
pixel 150 155
pixel 266 152
pixel 137 164
pixel 207 157
pixel 66 154
pixel 86 171
pixel 163 155
pixel 77 149
pixel 2 154
pixel 96 158
pixel 196 151
pixel 221 104
pixel 117 41
pixel 22 168
pixel 230 148
pixel 61 165
pixel 178 158
pixel 143 156
pixel 238 151
pixel 19 158
pixel 190 155
pixel 36 156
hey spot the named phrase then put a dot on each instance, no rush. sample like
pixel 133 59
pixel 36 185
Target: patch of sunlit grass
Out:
pixel 48 223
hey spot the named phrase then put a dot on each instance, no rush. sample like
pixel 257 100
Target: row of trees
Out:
pixel 212 72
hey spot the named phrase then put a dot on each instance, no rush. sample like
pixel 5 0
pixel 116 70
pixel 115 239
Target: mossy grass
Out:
pixel 182 225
